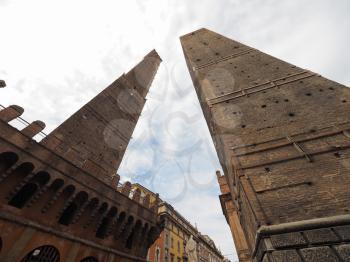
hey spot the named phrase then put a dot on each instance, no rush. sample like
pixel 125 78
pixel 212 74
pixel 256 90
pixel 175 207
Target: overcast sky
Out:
pixel 56 55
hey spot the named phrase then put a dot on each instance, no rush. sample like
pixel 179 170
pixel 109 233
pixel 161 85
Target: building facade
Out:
pixel 60 199
pixel 207 251
pixel 282 136
pixel 171 244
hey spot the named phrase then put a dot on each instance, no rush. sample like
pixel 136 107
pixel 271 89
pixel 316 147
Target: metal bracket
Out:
pixel 347 133
pixel 299 148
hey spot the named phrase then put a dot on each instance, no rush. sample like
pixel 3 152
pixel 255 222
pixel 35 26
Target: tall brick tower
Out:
pixel 95 137
pixel 283 140
pixel 61 200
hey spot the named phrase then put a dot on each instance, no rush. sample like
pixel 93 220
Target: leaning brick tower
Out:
pixel 282 135
pixel 60 199
pixel 95 137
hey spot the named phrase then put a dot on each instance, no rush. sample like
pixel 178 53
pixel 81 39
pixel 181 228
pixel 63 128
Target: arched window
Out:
pixel 7 159
pixel 29 189
pixel 120 222
pixel 127 229
pixel 144 231
pixel 102 230
pixel 14 178
pixel 96 218
pixel 89 259
pixel 43 254
pixel 69 212
pixel 157 254
pixel 23 195
pixel 121 218
pixel 88 213
pixel 47 196
pixel 57 184
pixel 134 234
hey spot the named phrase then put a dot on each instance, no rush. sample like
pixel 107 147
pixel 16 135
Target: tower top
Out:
pixel 2 83
pixel 96 136
pixel 154 54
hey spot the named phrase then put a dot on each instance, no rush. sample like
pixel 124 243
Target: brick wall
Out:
pixel 281 133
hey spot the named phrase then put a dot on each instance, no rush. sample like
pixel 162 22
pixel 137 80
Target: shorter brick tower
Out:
pixel 95 137
pixel 282 136
pixel 61 200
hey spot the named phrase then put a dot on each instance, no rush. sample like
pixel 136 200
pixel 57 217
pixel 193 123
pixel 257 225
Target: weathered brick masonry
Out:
pixel 283 140
pixel 61 200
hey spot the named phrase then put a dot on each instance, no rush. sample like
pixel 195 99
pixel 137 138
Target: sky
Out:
pixel 56 55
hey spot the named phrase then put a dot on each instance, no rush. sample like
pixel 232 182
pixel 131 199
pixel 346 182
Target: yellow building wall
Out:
pixel 177 240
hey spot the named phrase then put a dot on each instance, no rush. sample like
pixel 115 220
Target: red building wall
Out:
pixel 159 243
